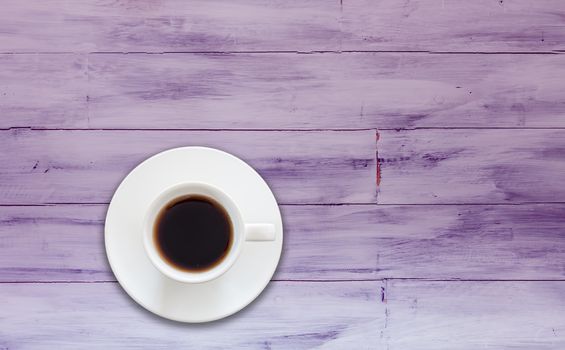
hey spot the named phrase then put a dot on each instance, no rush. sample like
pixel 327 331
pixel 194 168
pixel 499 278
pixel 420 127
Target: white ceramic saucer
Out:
pixel 171 299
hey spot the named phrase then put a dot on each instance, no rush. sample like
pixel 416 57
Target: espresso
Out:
pixel 193 233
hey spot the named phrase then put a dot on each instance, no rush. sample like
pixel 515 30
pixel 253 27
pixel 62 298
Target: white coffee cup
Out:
pixel 242 231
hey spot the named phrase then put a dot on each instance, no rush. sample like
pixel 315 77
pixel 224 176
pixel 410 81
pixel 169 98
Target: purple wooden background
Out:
pixel 417 149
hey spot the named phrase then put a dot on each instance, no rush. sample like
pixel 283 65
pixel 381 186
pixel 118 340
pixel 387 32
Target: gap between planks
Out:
pixel 285 52
pixel 52 204
pixel 383 280
pixel 192 129
pixel 287 130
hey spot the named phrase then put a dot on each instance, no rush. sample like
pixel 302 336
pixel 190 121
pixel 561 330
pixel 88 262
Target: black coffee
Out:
pixel 193 233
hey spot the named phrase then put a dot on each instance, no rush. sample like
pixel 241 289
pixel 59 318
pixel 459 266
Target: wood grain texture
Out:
pixel 364 315
pixel 347 242
pixel 87 166
pixel 287 315
pixel 174 25
pixel 170 25
pixel 475 315
pixel 325 91
pixel 453 25
pixel 37 90
pixel 471 166
pixel 283 91
pixel 464 250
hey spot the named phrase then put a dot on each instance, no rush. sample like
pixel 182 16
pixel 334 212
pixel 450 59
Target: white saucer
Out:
pixel 168 298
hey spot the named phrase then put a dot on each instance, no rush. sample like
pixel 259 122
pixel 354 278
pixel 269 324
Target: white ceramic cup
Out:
pixel 242 231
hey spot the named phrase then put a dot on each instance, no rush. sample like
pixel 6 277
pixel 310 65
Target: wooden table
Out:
pixel 417 150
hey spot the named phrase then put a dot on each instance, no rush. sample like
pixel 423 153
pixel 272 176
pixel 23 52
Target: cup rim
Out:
pixel 183 189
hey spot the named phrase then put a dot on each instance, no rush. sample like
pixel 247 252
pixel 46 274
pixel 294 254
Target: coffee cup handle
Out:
pixel 259 232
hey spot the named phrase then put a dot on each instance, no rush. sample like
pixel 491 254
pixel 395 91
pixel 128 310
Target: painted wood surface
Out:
pixel 471 166
pixel 332 316
pixel 446 233
pixel 345 242
pixel 282 91
pixel 363 90
pixel 335 315
pixel 454 25
pixel 171 25
pixel 482 166
pixel 36 91
pixel 175 25
pixel 475 315
pixel 309 167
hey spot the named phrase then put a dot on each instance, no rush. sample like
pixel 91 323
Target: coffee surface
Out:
pixel 193 233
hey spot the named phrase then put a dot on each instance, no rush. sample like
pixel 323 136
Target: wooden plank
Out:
pixel 325 91
pixel 170 25
pixel 475 315
pixel 53 243
pixel 526 242
pixel 456 26
pixel 284 91
pixel 422 241
pixel 495 242
pixel 254 25
pixel 471 166
pixel 286 316
pixel 87 166
pixel 43 90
